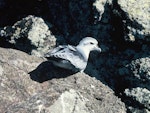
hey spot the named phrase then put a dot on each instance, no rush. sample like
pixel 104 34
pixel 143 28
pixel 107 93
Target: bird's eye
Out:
pixel 91 43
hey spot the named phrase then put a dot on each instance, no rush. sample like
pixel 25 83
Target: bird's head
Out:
pixel 89 44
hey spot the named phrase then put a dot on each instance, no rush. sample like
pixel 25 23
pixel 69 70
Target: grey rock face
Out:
pixel 132 34
pixel 136 79
pixel 137 73
pixel 30 34
pixel 100 6
pixel 141 68
pixel 70 101
pixel 141 95
pixel 137 21
pixel 73 93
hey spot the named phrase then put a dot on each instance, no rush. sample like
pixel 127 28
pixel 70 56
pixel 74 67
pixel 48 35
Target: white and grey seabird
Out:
pixel 73 57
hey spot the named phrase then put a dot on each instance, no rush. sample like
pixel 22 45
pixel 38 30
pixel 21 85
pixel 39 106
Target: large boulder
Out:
pixel 30 84
pixel 31 34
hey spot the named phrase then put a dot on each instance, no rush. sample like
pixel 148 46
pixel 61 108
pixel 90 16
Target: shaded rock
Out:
pixel 31 35
pixel 136 19
pixel 136 110
pixel 2 3
pixel 71 20
pixel 20 93
pixel 141 68
pixel 14 11
pixel 140 95
pixel 79 19
pixel 137 73
pixel 134 78
pixel 101 7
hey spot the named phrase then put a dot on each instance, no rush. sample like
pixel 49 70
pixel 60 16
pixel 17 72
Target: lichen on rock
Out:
pixel 31 34
pixel 138 16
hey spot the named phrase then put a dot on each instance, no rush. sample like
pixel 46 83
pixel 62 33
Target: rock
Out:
pixel 141 95
pixel 101 7
pixel 137 73
pixel 91 18
pixel 70 101
pixel 31 35
pixel 1 70
pixel 30 84
pixel 71 20
pixel 139 76
pixel 137 19
pixel 2 4
pixel 136 110
pixel 141 68
pixel 135 80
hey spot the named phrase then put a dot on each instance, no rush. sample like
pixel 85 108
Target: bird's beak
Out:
pixel 97 49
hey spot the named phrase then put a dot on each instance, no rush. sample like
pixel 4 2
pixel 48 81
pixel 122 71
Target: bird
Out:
pixel 71 57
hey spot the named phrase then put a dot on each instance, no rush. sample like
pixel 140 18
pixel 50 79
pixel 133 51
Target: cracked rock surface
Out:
pixel 23 91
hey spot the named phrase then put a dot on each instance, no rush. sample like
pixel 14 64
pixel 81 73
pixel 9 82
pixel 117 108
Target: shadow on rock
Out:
pixel 47 71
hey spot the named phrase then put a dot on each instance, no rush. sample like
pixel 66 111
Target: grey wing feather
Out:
pixel 77 60
pixel 70 54
pixel 55 51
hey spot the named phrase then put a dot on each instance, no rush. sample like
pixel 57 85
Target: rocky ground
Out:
pixel 31 85
pixel 117 82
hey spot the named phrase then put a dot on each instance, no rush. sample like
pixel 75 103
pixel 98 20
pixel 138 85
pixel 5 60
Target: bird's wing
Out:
pixel 55 51
pixel 77 60
pixel 64 52
pixel 68 53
